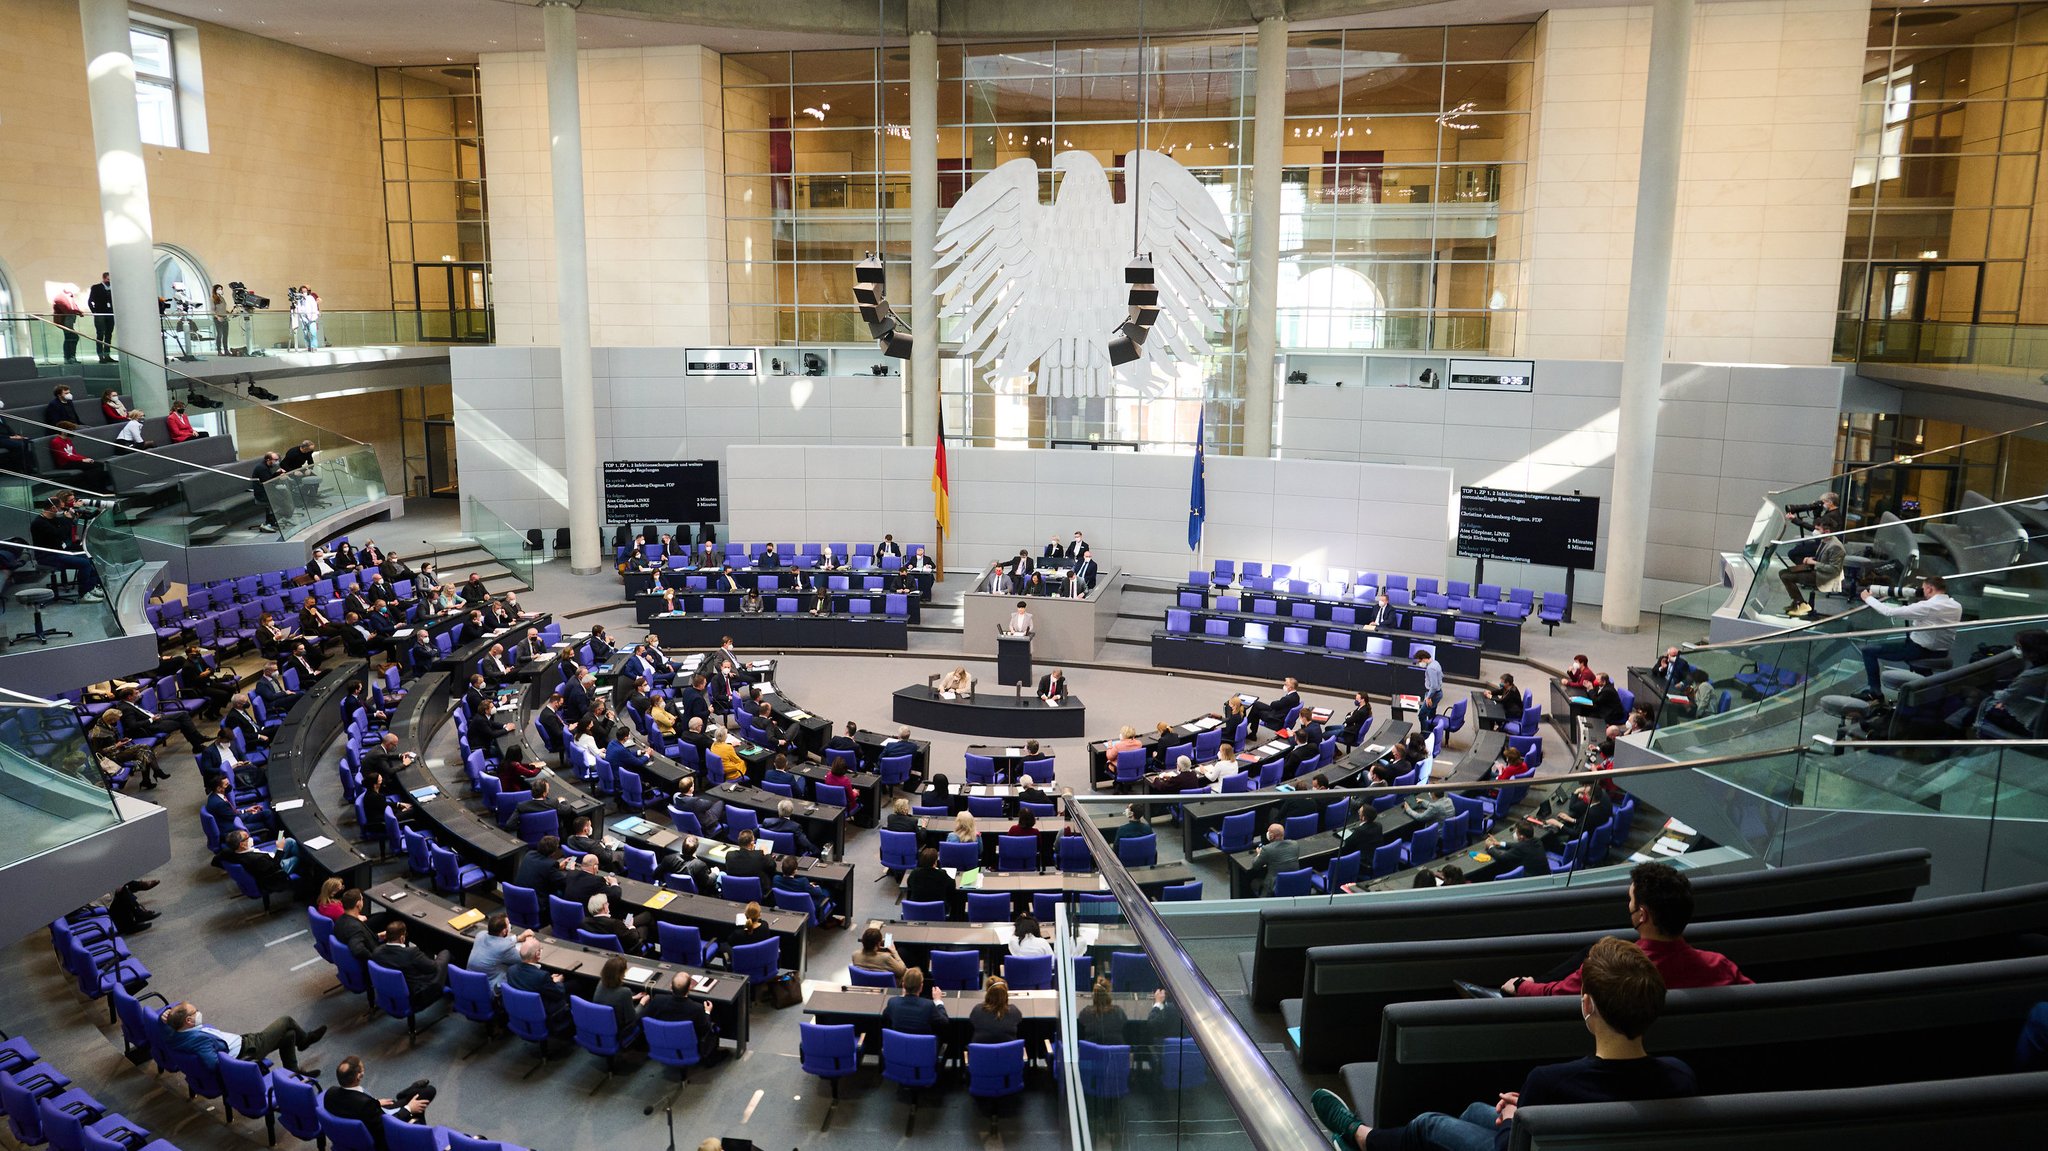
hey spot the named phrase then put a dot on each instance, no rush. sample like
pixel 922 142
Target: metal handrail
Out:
pixel 1273 1118
pixel 1471 785
pixel 1813 637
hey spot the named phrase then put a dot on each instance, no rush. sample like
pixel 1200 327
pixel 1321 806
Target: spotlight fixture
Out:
pixel 869 291
pixel 1129 341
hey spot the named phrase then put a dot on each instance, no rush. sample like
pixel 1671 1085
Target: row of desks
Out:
pixel 643 582
pixel 297 749
pixel 1200 819
pixel 650 606
pixel 1496 634
pixel 1459 656
pixel 1350 671
pixel 431 914
pixel 770 629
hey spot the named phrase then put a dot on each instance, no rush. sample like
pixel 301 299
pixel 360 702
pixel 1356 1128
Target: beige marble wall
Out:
pixel 288 191
pixel 1770 134
pixel 654 196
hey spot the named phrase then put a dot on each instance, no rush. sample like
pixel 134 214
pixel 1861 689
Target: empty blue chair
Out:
pixel 899 851
pixel 985 806
pixel 452 876
pixel 598 1031
pixel 565 917
pixel 1386 859
pixel 1178 620
pixel 671 1043
pixel 740 888
pixel 862 977
pixel 1302 826
pixel 829 1051
pixel 757 961
pixel 533 825
pixel 246 1091
pixel 1236 832
pixel 1422 846
pixel 1073 855
pixel 1028 972
pixel 912 1063
pixel 1289 883
pixel 1343 869
pixel 683 944
pixel 527 1017
pixel 522 906
pixel 392 996
pixel 1132 973
pixel 473 998
pixel 1138 850
pixel 988 906
pixel 801 902
pixel 1017 853
pixel 296 1100
pixel 995 1070
pixel 981 769
pixel 1457 831
pixel 933 911
pixel 347 1134
pixel 1105 1070
pixel 1130 767
pixel 956 970
pixel 1189 892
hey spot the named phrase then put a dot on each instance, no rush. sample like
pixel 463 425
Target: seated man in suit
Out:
pixel 544 869
pixel 1054 549
pixel 746 861
pixel 693 733
pixel 576 694
pixel 354 929
pixel 1524 851
pixel 927 883
pixel 1084 572
pixel 529 975
pixel 348 1100
pixel 1358 721
pixel 676 1006
pixel 913 1014
pixel 1028 791
pixel 1183 777
pixel 788 878
pixel 1274 856
pixel 1052 686
pixel 271 872
pixel 220 805
pixel 542 801
pixel 599 920
pixel 783 822
pixel 1273 713
pixel 282 1037
pixel 426 977
pixel 586 880
pixel 582 842
pixel 709 810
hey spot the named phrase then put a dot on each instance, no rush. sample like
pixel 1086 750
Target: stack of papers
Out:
pixel 1677 828
pixel 1670 846
pixel 639 974
pixel 288 805
pixel 318 842
pixel 467 919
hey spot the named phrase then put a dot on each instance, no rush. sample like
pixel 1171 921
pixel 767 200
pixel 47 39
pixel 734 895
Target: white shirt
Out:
pixel 130 433
pixel 1021 623
pixel 233 1040
pixel 1941 612
pixel 1025 946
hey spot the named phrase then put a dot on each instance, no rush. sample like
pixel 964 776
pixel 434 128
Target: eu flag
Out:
pixel 1198 490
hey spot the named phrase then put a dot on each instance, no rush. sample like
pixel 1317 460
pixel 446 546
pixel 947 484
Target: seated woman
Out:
pixel 835 776
pixel 1579 678
pixel 751 605
pixel 957 681
pixel 964 830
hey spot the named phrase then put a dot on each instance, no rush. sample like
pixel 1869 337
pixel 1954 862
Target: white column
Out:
pixel 572 291
pixel 1262 300
pixel 124 201
pixel 923 377
pixel 1649 291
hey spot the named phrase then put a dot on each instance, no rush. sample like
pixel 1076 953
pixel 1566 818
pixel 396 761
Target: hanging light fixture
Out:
pixel 870 277
pixel 1128 344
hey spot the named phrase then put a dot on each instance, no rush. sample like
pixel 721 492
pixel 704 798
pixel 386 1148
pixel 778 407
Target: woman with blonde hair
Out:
pixel 964 830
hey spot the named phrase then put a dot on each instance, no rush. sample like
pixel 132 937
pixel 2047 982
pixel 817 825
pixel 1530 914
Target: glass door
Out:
pixel 1922 313
pixel 453 301
pixel 443 481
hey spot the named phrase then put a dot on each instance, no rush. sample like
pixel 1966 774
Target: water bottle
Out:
pixel 825 854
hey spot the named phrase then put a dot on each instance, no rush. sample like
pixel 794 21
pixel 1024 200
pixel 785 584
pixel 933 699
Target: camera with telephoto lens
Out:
pixel 246 299
pixel 1904 593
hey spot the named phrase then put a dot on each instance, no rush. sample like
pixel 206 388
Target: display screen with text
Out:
pixel 1529 527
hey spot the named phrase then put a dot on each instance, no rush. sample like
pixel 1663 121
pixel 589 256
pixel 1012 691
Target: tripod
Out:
pixel 249 347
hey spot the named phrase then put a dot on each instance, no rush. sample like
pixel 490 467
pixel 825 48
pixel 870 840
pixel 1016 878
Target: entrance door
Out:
pixel 1921 313
pixel 442 479
pixel 453 302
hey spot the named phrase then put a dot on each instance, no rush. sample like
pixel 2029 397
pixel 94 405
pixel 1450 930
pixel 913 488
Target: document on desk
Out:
pixel 1677 828
pixel 799 716
pixel 639 974
pixel 1052 703
pixel 1669 846
pixel 318 842
pixel 1206 723
pixel 660 899
pixel 765 688
pixel 288 805
pixel 948 695
pixel 467 919
pixel 1013 752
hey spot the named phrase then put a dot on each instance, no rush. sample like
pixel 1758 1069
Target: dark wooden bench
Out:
pixel 1273 968
pixel 1819 1034
pixel 1346 988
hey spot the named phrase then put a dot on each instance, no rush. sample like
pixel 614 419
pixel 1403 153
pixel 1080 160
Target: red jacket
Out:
pixel 1680 963
pixel 62 452
pixel 178 426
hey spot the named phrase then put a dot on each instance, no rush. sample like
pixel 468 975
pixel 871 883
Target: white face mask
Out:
pixel 198 1018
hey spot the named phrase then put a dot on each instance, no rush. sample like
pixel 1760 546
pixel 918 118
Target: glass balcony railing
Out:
pixel 109 545
pixel 506 543
pixel 2019 347
pixel 195 337
pixel 199 491
pixel 51 789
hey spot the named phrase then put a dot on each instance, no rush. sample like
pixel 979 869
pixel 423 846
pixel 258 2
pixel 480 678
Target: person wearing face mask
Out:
pixel 1623 995
pixel 60 409
pixel 282 1037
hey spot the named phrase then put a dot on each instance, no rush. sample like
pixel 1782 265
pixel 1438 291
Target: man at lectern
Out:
pixel 1020 622
pixel 1053 688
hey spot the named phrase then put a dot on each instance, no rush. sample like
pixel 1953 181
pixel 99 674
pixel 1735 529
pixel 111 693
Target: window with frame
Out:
pixel 156 84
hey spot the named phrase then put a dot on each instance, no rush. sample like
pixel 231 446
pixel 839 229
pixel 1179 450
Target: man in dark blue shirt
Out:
pixel 1623 994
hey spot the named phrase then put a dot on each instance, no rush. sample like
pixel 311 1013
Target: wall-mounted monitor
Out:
pixel 668 491
pixel 1529 527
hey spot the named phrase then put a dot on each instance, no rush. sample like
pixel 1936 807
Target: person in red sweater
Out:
pixel 1659 908
pixel 65 454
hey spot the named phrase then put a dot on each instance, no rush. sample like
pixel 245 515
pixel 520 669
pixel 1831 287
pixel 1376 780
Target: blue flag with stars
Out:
pixel 1198 490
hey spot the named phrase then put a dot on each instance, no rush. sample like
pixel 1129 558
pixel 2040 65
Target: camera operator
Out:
pixel 1820 568
pixel 1933 617
pixel 219 308
pixel 1807 516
